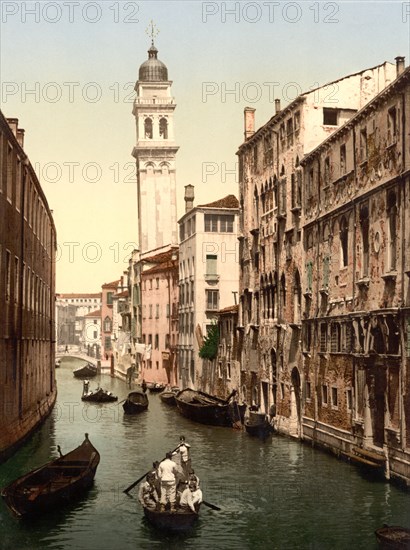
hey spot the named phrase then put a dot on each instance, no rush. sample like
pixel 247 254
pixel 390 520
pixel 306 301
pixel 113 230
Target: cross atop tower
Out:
pixel 152 31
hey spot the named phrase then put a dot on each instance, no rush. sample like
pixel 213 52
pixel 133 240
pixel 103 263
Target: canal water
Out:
pixel 277 494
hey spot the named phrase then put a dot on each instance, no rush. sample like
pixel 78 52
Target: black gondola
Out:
pixel 99 396
pixel 55 483
pixel 156 388
pixel 87 371
pixel 136 402
pixel 171 521
pixel 392 537
pixel 258 425
pixel 208 409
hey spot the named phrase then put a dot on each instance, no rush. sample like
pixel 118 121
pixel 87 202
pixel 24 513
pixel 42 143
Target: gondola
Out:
pixel 99 396
pixel 156 388
pixel 171 521
pixel 391 537
pixel 55 483
pixel 258 425
pixel 208 409
pixel 88 371
pixel 136 402
pixel 168 396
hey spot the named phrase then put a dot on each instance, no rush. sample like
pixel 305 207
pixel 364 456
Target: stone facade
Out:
pixel 208 277
pixel 356 286
pixel 27 294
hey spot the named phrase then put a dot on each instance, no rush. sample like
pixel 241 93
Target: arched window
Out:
pixel 165 168
pixel 392 230
pixel 148 128
pixel 107 324
pixel 344 241
pixel 364 225
pixel 282 291
pixel 163 128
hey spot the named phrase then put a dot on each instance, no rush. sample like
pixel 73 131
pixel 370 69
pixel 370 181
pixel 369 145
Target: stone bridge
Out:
pixel 82 356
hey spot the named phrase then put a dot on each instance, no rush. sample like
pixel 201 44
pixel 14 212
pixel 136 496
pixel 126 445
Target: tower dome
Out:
pixel 153 70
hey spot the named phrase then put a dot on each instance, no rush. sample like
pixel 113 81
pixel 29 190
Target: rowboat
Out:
pixel 258 425
pixel 55 483
pixel 136 402
pixel 88 371
pixel 168 396
pixel 99 396
pixel 392 537
pixel 171 521
pixel 208 409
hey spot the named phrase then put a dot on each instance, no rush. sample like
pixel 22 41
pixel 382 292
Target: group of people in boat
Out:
pixel 170 487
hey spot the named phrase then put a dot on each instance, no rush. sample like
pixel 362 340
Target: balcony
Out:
pixel 211 278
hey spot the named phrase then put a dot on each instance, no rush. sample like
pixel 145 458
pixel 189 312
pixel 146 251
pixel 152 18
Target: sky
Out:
pixel 68 71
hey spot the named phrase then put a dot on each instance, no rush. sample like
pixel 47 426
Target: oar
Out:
pixel 212 506
pixel 128 489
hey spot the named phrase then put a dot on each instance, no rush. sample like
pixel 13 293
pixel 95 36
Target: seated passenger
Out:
pixel 147 494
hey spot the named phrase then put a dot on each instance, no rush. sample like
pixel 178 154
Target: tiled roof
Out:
pixel 229 309
pixel 161 257
pixel 114 284
pixel 73 295
pixel 96 313
pixel 230 201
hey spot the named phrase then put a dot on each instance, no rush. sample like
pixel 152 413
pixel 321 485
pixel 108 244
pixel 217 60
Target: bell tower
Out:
pixel 155 153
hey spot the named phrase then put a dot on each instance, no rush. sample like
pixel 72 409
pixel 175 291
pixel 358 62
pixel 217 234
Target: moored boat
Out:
pixel 99 396
pixel 392 537
pixel 258 425
pixel 156 388
pixel 168 396
pixel 87 371
pixel 136 402
pixel 208 409
pixel 55 483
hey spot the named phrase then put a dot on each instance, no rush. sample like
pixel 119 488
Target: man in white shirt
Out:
pixel 185 456
pixel 191 498
pixel 167 472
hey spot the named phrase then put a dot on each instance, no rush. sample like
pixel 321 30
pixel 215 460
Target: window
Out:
pixel 222 223
pixel 308 391
pixel 392 126
pixel 309 276
pixel 335 340
pixel 344 242
pixel 150 311
pixel 16 278
pixel 157 364
pixel 156 341
pixel 392 231
pixel 211 264
pixel 349 399
pixel 364 226
pixel 289 132
pixel 107 343
pixel 167 311
pixel 363 144
pixel 9 183
pixel 212 299
pixel 95 334
pixel 342 160
pixel 157 311
pixel 163 128
pixel 157 282
pixel 109 298
pixel 148 128
pixel 334 397
pixel 307 336
pixel 323 338
pixel 324 394
pixel 330 117
pixel 327 171
pixel 228 371
pixel 182 232
pixel 297 121
pixel 8 274
pixel 107 324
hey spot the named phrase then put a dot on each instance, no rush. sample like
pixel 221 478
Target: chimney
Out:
pixel 20 137
pixel 277 106
pixel 13 123
pixel 249 119
pixel 399 65
pixel 189 197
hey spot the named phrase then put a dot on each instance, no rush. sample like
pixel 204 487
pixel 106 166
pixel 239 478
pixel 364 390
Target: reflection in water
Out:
pixel 278 494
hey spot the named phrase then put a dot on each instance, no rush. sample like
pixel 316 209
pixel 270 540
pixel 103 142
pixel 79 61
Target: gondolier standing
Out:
pixel 185 454
pixel 167 471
